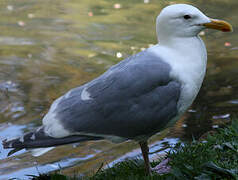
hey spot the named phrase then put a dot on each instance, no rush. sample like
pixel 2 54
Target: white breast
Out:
pixel 191 76
pixel 188 60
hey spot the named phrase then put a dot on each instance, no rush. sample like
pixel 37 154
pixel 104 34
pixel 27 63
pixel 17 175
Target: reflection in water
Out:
pixel 235 101
pixel 40 169
pixel 8 86
pixel 15 41
pixel 48 48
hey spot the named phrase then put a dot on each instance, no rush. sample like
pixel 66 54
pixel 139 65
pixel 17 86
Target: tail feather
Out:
pixel 38 139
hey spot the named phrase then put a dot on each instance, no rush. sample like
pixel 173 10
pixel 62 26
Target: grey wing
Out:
pixel 135 97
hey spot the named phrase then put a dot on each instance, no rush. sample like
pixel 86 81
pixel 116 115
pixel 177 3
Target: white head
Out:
pixel 182 20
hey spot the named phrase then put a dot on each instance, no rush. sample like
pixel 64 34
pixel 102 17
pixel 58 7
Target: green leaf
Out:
pixel 230 146
pixel 230 174
pixel 203 177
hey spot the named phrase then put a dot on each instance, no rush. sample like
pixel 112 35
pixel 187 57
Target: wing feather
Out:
pixel 133 98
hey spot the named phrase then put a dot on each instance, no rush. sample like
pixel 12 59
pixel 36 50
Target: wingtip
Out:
pixel 5 144
pixel 13 151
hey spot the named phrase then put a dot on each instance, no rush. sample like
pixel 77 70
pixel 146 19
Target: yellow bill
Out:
pixel 219 25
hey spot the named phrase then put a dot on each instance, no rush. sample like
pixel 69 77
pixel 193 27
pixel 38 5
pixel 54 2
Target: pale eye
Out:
pixel 187 17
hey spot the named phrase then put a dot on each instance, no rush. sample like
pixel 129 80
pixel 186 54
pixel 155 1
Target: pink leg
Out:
pixel 145 150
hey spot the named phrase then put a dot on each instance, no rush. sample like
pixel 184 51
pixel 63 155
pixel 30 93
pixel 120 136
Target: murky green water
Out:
pixel 47 48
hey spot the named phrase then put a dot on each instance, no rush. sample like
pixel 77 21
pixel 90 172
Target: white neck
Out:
pixel 188 50
pixel 183 44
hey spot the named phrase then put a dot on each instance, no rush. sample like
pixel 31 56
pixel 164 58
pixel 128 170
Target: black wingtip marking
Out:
pixel 13 151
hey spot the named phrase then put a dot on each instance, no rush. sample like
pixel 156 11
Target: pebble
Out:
pixel 90 14
pixel 184 125
pixel 215 126
pixel 117 6
pixel 146 1
pixel 21 23
pixel 119 55
pixel 227 44
pixel 202 33
pixel 30 15
pixel 9 7
pixel 224 116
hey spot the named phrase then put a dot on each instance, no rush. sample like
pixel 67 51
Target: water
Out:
pixel 48 48
pixel 36 169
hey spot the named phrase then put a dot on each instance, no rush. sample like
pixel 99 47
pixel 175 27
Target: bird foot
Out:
pixel 162 167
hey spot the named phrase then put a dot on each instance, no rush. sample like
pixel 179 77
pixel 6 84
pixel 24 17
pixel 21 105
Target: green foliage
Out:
pixel 130 169
pixel 53 176
pixel 215 158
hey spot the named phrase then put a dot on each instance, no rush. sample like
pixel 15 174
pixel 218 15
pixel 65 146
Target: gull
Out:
pixel 139 96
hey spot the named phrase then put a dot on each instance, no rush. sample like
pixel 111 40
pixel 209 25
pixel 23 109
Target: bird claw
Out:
pixel 162 167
